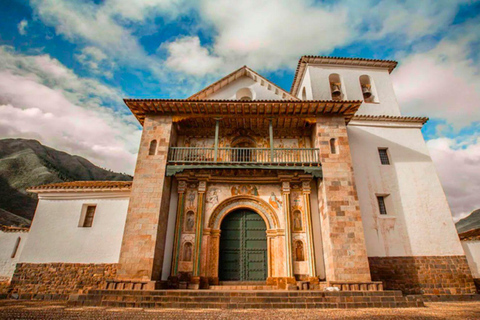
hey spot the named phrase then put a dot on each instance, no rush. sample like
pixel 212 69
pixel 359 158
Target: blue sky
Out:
pixel 66 65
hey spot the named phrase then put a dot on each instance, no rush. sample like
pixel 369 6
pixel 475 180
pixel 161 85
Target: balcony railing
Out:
pixel 259 156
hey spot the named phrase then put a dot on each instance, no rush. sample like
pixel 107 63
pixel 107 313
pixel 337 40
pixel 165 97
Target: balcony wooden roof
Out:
pixel 278 109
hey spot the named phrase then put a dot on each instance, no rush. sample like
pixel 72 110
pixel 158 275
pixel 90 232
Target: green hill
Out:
pixel 470 222
pixel 27 163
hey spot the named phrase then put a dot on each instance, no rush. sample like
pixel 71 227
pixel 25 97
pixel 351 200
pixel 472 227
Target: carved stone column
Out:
pixel 288 229
pixel 306 190
pixel 182 186
pixel 202 188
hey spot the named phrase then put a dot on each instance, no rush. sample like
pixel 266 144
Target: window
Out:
pixel 368 89
pixel 15 248
pixel 333 146
pixel 336 87
pixel 153 148
pixel 384 156
pixel 381 205
pixel 89 214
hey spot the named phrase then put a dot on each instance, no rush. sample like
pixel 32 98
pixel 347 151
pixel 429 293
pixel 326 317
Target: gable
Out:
pixel 243 82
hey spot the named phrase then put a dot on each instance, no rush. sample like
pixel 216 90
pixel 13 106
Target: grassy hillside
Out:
pixel 27 163
pixel 470 222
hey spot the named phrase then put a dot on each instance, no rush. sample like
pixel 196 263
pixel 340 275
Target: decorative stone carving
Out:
pixel 244 189
pixel 202 186
pixel 182 186
pixel 189 221
pixel 286 187
pixel 244 201
pixel 297 221
pixel 299 252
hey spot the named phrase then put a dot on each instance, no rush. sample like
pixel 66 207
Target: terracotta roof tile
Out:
pixel 124 185
pixel 13 229
pixel 470 235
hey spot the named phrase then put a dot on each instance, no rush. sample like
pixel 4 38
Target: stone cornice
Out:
pixel 388 121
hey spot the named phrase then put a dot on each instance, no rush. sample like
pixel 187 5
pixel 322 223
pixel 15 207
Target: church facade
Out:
pixel 244 182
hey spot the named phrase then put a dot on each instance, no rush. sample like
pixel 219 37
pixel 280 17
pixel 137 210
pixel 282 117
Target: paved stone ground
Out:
pixel 57 310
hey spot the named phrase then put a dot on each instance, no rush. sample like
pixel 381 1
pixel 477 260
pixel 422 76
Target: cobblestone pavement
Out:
pixel 58 310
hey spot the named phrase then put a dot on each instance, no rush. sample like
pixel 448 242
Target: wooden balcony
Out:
pixel 243 156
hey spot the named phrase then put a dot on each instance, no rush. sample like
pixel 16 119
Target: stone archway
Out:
pixel 213 230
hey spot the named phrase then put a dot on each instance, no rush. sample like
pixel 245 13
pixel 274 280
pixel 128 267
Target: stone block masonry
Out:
pixel 341 221
pixel 424 275
pixel 58 280
pixel 141 255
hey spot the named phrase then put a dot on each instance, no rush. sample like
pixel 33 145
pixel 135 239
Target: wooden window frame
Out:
pixel 382 206
pixel 384 156
pixel 85 220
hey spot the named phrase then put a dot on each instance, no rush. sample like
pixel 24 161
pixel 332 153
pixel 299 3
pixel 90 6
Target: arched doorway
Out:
pixel 243 247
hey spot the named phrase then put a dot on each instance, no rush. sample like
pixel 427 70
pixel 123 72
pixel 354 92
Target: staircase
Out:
pixel 237 299
pixel 242 285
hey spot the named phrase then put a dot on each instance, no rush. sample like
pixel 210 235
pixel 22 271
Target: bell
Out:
pixel 336 93
pixel 367 91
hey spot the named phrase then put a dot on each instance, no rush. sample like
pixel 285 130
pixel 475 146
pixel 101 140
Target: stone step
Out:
pixel 242 287
pixel 279 293
pixel 243 299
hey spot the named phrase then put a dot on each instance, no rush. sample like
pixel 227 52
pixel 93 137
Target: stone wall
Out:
pixel 143 245
pixel 341 222
pixel 423 275
pixel 58 280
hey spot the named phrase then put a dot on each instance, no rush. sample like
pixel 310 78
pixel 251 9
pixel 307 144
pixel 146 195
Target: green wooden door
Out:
pixel 243 247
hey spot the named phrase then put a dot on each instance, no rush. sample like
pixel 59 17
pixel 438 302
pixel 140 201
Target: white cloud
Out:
pixel 42 99
pixel 261 34
pixel 270 35
pixel 459 173
pixel 22 27
pixel 187 55
pixel 403 20
pixel 96 25
pixel 442 82
pixel 96 61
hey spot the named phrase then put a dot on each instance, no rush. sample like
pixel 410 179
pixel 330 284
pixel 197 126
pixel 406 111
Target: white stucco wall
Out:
pixel 320 87
pixel 8 242
pixel 55 235
pixel 419 221
pixel 170 236
pixel 260 92
pixel 472 251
